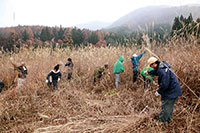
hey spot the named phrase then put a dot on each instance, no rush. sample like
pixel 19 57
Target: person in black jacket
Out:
pixel 1 85
pixel 70 68
pixel 53 77
pixel 169 87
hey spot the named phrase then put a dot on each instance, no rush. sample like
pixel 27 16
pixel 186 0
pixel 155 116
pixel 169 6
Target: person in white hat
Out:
pixel 135 61
pixel 169 87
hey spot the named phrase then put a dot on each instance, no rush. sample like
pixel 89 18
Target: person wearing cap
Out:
pixel 117 69
pixel 99 72
pixel 147 78
pixel 135 61
pixel 1 85
pixel 169 87
pixel 70 68
pixel 22 72
pixel 53 77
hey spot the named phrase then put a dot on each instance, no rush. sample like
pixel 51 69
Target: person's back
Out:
pixel 118 66
pixel 117 69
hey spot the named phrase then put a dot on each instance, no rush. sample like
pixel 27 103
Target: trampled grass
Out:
pixel 79 106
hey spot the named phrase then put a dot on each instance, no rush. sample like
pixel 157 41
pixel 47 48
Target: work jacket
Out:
pixel 169 86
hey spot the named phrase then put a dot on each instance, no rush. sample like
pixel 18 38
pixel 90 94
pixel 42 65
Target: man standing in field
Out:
pixel 117 69
pixel 135 61
pixel 169 87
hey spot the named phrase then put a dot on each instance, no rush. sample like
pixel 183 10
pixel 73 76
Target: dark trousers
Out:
pixel 69 76
pixel 135 75
pixel 167 110
pixel 55 82
pixel 146 81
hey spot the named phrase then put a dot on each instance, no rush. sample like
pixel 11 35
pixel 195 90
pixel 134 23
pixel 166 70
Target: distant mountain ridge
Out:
pixel 94 25
pixel 153 15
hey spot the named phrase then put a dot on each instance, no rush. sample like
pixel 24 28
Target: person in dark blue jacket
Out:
pixel 169 87
pixel 53 77
pixel 135 61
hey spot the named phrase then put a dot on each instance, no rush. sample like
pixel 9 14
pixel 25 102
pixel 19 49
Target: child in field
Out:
pixel 53 77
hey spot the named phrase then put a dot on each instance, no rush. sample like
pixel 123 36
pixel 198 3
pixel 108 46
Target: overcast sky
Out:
pixel 72 12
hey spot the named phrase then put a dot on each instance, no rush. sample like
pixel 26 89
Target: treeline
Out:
pixel 186 28
pixel 25 36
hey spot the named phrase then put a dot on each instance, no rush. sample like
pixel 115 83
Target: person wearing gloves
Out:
pixel 147 78
pixel 135 61
pixel 169 87
pixel 117 69
pixel 70 68
pixel 53 77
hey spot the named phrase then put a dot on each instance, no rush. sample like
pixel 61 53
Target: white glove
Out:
pixel 47 81
pixel 58 79
pixel 154 83
pixel 146 72
pixel 157 94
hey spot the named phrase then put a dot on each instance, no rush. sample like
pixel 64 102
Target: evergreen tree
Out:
pixel 77 36
pixel 25 36
pixel 93 38
pixel 61 33
pixel 45 35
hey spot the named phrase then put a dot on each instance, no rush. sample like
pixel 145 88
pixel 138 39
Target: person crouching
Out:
pixel 53 77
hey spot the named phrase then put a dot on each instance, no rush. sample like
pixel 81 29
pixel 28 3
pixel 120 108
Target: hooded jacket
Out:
pixel 169 86
pixel 118 66
pixel 150 77
pixel 135 61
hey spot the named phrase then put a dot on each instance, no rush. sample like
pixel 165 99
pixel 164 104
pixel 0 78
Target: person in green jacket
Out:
pixel 117 69
pixel 147 78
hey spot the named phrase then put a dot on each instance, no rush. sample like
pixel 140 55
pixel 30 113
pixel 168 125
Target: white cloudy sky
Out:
pixel 72 12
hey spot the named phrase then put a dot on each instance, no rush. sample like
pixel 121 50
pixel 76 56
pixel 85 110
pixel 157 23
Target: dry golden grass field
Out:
pixel 79 106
